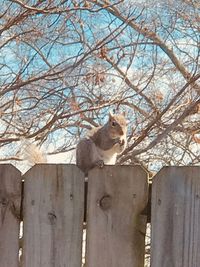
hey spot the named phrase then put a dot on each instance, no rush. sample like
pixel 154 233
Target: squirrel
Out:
pixel 102 144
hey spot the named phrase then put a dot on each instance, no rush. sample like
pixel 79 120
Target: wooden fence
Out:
pixel 51 205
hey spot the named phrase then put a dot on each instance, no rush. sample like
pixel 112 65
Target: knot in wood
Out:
pixel 52 218
pixel 4 201
pixel 105 202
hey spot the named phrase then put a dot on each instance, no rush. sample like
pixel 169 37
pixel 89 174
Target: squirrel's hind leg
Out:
pixel 84 155
pixel 87 156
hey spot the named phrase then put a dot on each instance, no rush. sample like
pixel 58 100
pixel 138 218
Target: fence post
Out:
pixel 117 195
pixel 10 202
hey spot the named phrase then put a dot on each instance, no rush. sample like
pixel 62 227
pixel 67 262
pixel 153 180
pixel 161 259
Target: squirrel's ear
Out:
pixel 124 113
pixel 110 114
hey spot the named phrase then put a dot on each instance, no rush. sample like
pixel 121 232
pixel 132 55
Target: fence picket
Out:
pixel 116 227
pixel 53 216
pixel 10 201
pixel 176 217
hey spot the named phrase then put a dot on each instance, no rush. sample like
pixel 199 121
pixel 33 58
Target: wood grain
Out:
pixel 53 216
pixel 176 218
pixel 117 195
pixel 10 201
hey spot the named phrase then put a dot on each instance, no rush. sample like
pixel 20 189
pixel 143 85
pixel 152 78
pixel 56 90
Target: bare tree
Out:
pixel 64 64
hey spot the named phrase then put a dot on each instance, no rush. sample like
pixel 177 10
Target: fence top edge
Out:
pixel 10 166
pixel 118 167
pixel 49 165
pixel 167 169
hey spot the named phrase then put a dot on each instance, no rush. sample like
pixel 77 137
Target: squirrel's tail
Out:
pixel 32 153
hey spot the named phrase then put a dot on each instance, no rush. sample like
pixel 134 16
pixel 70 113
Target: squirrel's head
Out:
pixel 117 125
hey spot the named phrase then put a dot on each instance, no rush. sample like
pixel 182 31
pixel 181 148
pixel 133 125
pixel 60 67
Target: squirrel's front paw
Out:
pixel 121 146
pixel 99 163
pixel 122 142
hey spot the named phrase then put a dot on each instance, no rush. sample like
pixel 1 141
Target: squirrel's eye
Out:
pixel 114 123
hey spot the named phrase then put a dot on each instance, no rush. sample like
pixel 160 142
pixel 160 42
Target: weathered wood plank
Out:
pixel 53 216
pixel 117 195
pixel 176 218
pixel 10 202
